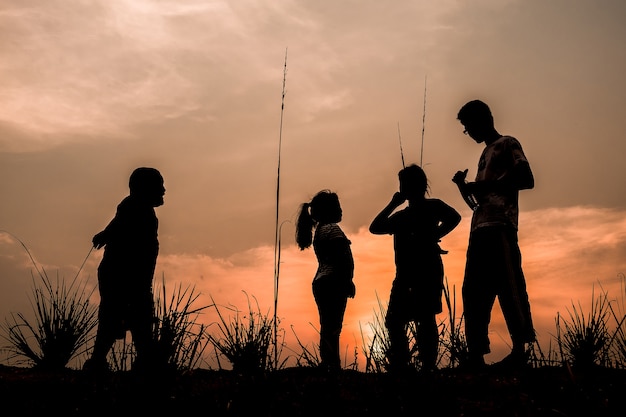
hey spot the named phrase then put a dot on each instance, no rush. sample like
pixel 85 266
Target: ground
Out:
pixel 299 391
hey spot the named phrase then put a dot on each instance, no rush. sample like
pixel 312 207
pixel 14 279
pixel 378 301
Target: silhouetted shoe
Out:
pixel 96 366
pixel 429 369
pixel 328 369
pixel 513 361
pixel 403 370
pixel 473 364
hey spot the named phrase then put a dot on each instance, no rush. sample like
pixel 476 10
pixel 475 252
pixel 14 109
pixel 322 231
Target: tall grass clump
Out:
pixel 584 340
pixel 308 357
pixel 61 328
pixel 618 340
pixel 180 340
pixel 452 339
pixel 62 324
pixel 375 350
pixel 246 341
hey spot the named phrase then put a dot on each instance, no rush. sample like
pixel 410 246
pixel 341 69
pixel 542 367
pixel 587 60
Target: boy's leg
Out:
pixel 513 296
pixel 398 354
pixel 105 338
pixel 331 304
pixel 142 330
pixel 479 293
pixel 428 342
pixel 395 322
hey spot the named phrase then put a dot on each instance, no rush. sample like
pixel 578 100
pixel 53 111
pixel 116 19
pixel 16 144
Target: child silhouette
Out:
pixel 417 288
pixel 332 284
pixel 126 271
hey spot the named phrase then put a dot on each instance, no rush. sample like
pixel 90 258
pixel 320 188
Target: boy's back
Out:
pixel 132 244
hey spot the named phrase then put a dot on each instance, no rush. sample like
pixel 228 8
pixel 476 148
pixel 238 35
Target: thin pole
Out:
pixel 400 140
pixel 423 124
pixel 277 235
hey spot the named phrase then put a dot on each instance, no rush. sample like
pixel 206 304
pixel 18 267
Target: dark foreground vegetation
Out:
pixel 303 391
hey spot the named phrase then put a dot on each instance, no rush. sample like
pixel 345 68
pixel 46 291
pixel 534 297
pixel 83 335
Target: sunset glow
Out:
pixel 92 90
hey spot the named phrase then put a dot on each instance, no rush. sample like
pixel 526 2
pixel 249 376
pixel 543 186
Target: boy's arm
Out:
pixel 519 177
pixel 523 178
pixel 450 219
pixel 464 189
pixel 380 224
pixel 100 239
pixel 346 264
pixel 340 255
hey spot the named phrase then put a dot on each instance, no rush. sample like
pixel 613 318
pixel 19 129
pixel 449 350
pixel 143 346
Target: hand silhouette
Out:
pixel 351 290
pixel 398 198
pixel 99 240
pixel 459 177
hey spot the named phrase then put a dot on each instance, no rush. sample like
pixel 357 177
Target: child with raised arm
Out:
pixel 332 283
pixel 126 271
pixel 417 288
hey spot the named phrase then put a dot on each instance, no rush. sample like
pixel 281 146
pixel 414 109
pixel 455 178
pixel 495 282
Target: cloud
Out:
pixel 93 89
pixel 98 68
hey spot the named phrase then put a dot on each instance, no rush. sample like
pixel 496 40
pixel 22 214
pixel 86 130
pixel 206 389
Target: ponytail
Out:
pixel 304 227
pixel 323 208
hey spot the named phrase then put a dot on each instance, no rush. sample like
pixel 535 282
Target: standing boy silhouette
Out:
pixel 494 262
pixel 126 271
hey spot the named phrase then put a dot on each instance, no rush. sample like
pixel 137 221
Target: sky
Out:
pixel 90 90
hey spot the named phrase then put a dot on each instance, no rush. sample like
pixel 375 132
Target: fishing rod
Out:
pixel 278 227
pixel 423 124
pixel 400 140
pixel 423 130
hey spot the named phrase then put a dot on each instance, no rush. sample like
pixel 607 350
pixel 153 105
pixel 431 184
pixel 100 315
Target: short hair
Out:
pixel 476 111
pixel 143 177
pixel 414 176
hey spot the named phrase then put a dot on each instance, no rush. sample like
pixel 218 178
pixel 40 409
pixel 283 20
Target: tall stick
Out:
pixel 423 125
pixel 277 235
pixel 400 140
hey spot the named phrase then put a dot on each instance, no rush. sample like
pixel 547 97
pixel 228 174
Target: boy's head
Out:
pixel 413 182
pixel 147 184
pixel 476 118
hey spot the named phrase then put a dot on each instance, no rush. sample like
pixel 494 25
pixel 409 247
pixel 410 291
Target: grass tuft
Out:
pixel 584 340
pixel 63 321
pixel 246 342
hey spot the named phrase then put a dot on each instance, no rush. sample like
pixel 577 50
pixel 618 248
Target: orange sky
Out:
pixel 92 90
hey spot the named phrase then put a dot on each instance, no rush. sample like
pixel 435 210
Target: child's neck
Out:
pixel 416 201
